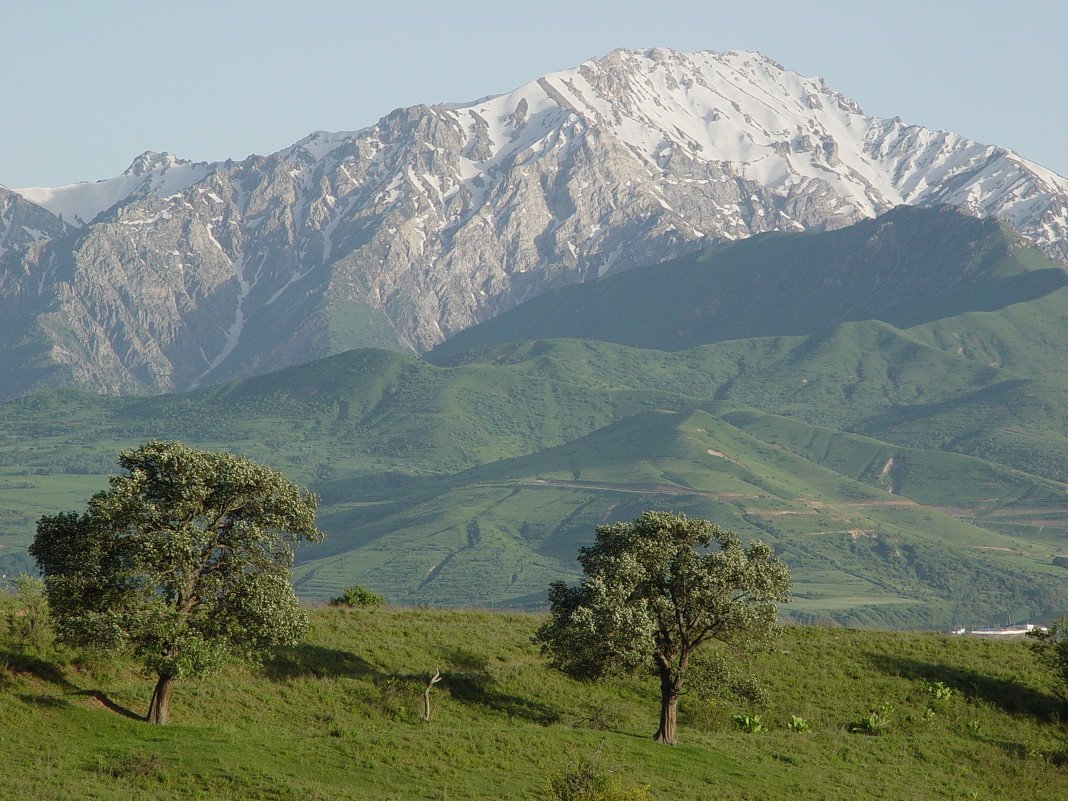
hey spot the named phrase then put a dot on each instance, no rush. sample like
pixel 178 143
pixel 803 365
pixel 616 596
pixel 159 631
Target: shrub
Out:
pixel 1051 647
pixel 875 723
pixel 28 628
pixel 358 598
pixel 588 780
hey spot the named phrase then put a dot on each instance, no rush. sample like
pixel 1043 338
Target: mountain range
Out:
pixel 176 275
pixel 886 404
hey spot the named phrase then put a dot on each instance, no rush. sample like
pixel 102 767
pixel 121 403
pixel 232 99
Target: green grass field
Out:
pixel 337 717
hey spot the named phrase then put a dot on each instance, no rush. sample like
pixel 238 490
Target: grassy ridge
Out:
pixel 844 539
pixel 337 718
pixel 907 267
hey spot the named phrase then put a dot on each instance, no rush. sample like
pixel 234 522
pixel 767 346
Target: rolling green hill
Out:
pixel 557 438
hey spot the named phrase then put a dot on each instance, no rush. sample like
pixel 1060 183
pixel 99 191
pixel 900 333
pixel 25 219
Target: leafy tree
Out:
pixel 655 591
pixel 1051 647
pixel 184 561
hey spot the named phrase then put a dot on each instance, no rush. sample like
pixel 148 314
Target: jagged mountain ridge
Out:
pixel 440 217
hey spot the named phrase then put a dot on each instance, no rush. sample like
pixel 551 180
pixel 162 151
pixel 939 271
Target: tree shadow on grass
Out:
pixel 52 674
pixel 38 668
pixel 466 677
pixel 1009 695
pixel 468 680
pixel 315 661
pixel 46 701
pixel 102 699
pixel 1027 751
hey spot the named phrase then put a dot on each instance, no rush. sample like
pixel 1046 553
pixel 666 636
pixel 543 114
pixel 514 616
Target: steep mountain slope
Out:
pixel 438 217
pixel 906 267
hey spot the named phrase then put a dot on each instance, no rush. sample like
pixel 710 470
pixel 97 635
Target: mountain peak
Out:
pixel 81 203
pixel 440 217
pixel 150 161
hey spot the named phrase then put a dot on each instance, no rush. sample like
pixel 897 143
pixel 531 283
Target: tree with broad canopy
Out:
pixel 184 561
pixel 655 591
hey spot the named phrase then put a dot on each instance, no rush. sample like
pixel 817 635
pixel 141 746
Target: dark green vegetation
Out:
pixel 910 266
pixel 1050 645
pixel 337 717
pixel 657 590
pixel 908 476
pixel 358 597
pixel 183 562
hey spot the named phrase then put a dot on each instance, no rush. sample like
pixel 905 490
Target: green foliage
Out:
pixel 1051 647
pixel 940 691
pixel 797 724
pixel 655 591
pixel 587 779
pixel 28 628
pixel 875 723
pixel 725 674
pixel 751 724
pixel 358 597
pixel 504 737
pixel 184 561
pixel 651 585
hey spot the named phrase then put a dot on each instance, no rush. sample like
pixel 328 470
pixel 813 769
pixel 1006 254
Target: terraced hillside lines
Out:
pixel 550 502
pixel 367 427
pixel 377 523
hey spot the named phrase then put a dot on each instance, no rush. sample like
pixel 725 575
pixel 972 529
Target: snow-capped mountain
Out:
pixel 437 217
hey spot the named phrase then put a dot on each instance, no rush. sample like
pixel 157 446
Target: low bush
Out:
pixel 26 627
pixel 797 723
pixel 358 598
pixel 875 723
pixel 589 780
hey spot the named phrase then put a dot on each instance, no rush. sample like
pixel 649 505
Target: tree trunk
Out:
pixel 160 706
pixel 669 711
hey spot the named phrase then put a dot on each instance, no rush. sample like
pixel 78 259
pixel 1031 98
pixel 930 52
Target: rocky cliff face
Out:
pixel 438 217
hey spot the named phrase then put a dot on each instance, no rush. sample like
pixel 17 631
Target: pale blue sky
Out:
pixel 86 86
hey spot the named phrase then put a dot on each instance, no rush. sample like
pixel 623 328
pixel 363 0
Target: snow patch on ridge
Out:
pixel 79 204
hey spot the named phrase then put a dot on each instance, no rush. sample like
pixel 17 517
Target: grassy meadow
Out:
pixel 338 717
